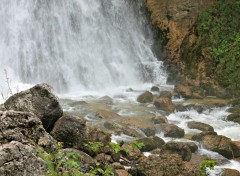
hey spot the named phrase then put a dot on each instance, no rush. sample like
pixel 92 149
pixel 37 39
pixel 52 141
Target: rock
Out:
pixel 193 147
pixel 117 166
pixel 164 104
pixel 122 172
pixel 2 107
pixel 230 172
pixel 179 148
pixel 39 100
pixel 171 130
pixel 71 130
pixel 235 109
pixel 155 89
pixel 162 165
pixel 165 94
pixel 200 126
pixel 133 153
pixel 104 158
pixel 97 135
pixel 184 90
pixel 77 104
pixel 151 143
pixel 106 114
pixel 235 148
pixel 139 123
pixel 18 159
pixel 198 108
pixel 199 136
pixel 146 97
pixel 159 120
pixel 235 117
pixel 219 144
pixel 25 128
pixel 106 100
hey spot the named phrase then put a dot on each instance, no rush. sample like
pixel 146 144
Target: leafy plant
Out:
pixel 136 145
pixel 207 163
pixel 94 146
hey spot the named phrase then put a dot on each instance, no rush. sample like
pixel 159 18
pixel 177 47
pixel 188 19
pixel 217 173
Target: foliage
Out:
pixel 207 163
pixel 67 163
pixel 94 146
pixel 137 145
pixel 218 37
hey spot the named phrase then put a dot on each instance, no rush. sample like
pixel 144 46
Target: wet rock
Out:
pixel 199 136
pixel 236 148
pixel 235 117
pixel 104 158
pixel 164 104
pixel 179 148
pixel 24 127
pixel 159 120
pixel 165 94
pixel 106 100
pixel 235 109
pixel 200 126
pixel 77 103
pixel 107 114
pixel 146 97
pixel 155 89
pixel 230 172
pixel 18 159
pixel 171 130
pixel 71 130
pixel 219 144
pixel 139 123
pixel 151 143
pixel 39 100
pixel 198 108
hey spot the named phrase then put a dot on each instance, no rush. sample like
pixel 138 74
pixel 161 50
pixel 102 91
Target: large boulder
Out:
pixel 221 145
pixel 179 148
pixel 199 136
pixel 230 172
pixel 24 127
pixel 39 100
pixel 200 126
pixel 71 130
pixel 146 97
pixel 17 159
pixel 151 143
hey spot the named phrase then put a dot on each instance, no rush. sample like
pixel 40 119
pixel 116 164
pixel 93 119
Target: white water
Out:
pixel 77 45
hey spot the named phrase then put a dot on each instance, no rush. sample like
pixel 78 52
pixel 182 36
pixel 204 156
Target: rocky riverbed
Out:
pixel 178 133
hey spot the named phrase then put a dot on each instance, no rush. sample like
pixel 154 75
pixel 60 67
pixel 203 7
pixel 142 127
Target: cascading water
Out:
pixel 77 44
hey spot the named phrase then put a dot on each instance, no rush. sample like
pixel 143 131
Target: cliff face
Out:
pixel 176 21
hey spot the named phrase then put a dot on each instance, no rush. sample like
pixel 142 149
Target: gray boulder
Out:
pixel 39 100
pixel 24 127
pixel 200 126
pixel 17 159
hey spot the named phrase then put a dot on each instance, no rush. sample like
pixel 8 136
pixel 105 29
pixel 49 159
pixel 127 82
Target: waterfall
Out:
pixel 83 44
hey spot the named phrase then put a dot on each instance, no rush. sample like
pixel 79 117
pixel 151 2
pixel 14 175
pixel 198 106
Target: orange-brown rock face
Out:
pixel 175 18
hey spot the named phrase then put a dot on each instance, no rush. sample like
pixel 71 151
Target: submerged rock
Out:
pixel 17 159
pixel 155 89
pixel 146 97
pixel 39 100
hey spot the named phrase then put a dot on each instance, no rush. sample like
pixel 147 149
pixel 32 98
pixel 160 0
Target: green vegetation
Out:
pixel 207 163
pixel 67 163
pixel 218 40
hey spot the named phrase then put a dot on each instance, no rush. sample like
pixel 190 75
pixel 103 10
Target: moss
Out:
pixel 218 44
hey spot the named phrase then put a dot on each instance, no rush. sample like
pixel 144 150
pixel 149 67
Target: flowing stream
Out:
pixel 87 49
